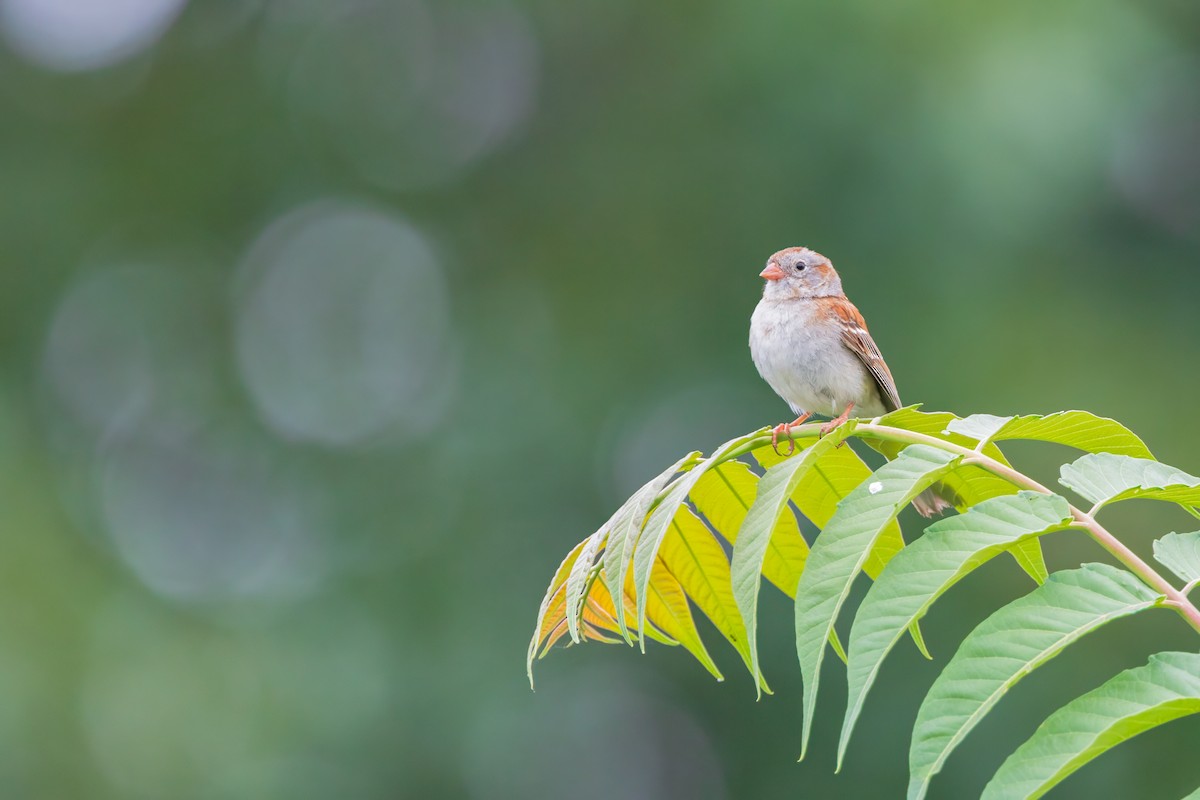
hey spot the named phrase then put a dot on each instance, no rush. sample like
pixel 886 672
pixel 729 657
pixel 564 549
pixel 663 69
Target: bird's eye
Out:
pixel 800 265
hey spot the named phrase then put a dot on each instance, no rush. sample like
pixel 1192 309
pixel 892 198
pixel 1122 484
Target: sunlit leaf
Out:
pixel 697 560
pixel 667 608
pixel 1104 478
pixel 724 496
pixel 1009 645
pixel 579 575
pixel 825 484
pixel 1079 429
pixel 555 624
pixel 1029 557
pixel 950 549
pixel 930 423
pixel 971 484
pixel 767 456
pixel 598 613
pixel 769 508
pixel 673 533
pixel 600 602
pixel 842 548
pixel 659 521
pixel 1180 553
pixel 981 427
pixel 623 535
pixel 1130 703
pixel 556 588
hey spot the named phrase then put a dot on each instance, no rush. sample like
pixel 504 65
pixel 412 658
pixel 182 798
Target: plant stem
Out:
pixel 1174 598
pixel 1098 532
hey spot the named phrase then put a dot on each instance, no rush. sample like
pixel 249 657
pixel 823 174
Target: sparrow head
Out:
pixel 800 272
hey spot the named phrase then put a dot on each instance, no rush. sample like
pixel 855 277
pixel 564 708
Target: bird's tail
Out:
pixel 935 500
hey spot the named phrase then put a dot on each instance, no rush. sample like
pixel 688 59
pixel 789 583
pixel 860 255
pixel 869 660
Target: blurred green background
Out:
pixel 326 329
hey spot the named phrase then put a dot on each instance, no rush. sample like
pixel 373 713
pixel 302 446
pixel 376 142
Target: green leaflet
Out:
pixel 1009 645
pixel 1132 702
pixel 825 484
pixel 659 521
pixel 765 515
pixel 1104 478
pixel 971 484
pixel 577 579
pixel 560 577
pixel 950 549
pixel 981 427
pixel 622 537
pixel 1079 429
pixel 667 609
pixel 724 496
pixel 1180 553
pixel 767 457
pixel 842 549
pixel 694 556
pixel 931 424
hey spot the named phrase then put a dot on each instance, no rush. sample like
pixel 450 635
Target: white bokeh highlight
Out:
pixel 80 35
pixel 202 509
pixel 128 351
pixel 343 326
pixel 209 522
pixel 429 90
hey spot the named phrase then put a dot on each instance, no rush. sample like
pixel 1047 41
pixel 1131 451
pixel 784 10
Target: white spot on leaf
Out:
pixel 876 487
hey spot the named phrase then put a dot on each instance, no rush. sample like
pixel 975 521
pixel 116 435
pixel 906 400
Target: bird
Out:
pixel 812 346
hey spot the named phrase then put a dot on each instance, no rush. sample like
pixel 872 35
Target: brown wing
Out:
pixel 856 337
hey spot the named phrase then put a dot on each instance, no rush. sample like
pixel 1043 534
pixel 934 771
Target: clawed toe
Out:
pixel 828 427
pixel 782 429
pixel 785 429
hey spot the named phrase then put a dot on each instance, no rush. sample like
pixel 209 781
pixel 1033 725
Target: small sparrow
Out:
pixel 812 346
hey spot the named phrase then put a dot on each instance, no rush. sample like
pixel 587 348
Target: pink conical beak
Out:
pixel 772 272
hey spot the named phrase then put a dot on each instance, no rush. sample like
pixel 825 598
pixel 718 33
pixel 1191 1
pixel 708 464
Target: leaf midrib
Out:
pixel 1031 664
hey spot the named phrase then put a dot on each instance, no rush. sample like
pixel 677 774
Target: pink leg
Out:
pixel 785 429
pixel 838 420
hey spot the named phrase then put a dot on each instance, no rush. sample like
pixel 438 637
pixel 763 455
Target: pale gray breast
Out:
pixel 805 362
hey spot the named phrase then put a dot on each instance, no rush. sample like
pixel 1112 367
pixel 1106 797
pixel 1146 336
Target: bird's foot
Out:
pixel 785 429
pixel 828 427
pixel 782 429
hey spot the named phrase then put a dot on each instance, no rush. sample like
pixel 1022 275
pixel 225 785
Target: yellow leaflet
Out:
pixel 698 562
pixel 667 608
pixel 557 588
pixel 767 457
pixel 824 485
pixel 597 634
pixel 600 613
pixel 725 494
pixel 596 620
pixel 890 542
pixel 554 623
pixel 601 602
